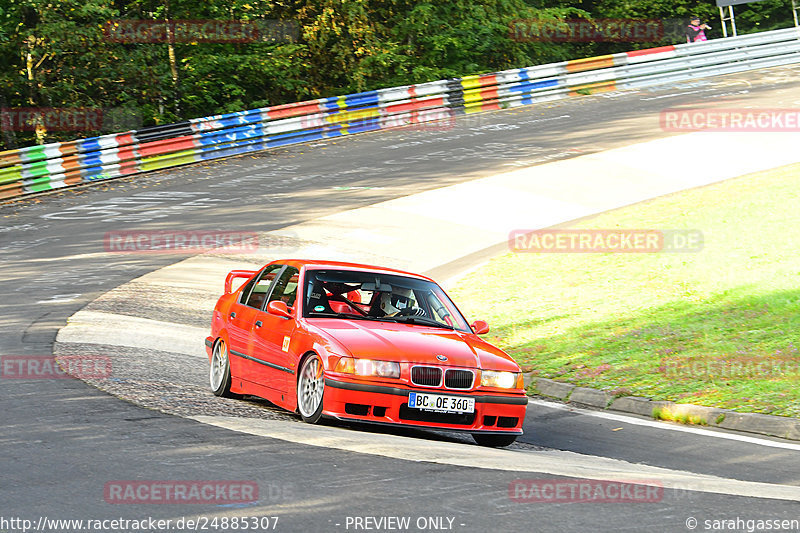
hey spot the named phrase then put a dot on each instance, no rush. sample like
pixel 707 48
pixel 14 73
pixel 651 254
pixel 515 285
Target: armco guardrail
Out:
pixel 41 168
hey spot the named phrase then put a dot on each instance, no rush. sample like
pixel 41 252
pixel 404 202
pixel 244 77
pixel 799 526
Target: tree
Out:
pixel 54 56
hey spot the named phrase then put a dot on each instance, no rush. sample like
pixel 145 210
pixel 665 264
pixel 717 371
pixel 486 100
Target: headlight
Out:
pixel 368 367
pixel 501 380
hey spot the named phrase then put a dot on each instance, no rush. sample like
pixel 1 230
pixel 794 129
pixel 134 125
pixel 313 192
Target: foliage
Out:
pixel 58 54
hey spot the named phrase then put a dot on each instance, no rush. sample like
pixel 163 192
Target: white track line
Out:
pixel 524 463
pixel 666 426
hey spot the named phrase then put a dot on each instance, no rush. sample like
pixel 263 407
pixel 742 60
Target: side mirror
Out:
pixel 480 327
pixel 278 308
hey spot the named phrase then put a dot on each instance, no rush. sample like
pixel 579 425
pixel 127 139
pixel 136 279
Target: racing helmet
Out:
pixel 399 301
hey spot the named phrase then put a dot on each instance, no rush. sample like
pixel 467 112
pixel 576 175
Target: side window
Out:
pixel 286 287
pixel 256 292
pixel 246 290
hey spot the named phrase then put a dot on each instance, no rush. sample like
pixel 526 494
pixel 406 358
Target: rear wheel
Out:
pixel 494 441
pixel 220 373
pixel 310 389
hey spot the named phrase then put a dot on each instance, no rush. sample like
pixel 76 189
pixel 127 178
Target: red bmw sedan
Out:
pixel 362 343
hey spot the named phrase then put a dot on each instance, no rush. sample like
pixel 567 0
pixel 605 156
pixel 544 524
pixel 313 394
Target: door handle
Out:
pixel 258 324
pixel 233 315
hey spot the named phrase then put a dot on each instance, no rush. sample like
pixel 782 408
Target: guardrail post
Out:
pixel 723 19
pixel 795 8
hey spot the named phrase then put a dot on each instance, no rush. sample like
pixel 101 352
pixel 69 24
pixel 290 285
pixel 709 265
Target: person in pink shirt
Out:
pixel 695 31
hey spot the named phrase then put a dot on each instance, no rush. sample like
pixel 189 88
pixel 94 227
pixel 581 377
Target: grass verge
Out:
pixel 719 327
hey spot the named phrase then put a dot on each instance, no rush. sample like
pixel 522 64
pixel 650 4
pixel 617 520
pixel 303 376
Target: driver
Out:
pixel 400 302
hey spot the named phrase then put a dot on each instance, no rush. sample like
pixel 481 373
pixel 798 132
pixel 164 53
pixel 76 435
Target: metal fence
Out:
pixel 51 166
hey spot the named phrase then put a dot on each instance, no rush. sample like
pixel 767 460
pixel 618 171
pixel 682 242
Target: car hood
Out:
pixel 413 343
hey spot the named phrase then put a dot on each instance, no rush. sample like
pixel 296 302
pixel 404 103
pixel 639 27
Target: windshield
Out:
pixel 379 297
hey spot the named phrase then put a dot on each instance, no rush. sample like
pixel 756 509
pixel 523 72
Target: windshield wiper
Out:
pixel 411 319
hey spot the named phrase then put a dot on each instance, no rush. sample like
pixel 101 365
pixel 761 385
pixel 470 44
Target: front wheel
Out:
pixel 494 441
pixel 310 389
pixel 220 373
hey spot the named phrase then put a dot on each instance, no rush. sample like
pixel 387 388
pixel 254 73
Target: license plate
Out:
pixel 441 403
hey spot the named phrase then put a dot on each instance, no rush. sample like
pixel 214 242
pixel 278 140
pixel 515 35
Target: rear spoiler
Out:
pixel 233 274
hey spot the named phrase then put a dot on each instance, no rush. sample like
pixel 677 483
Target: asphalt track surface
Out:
pixel 62 440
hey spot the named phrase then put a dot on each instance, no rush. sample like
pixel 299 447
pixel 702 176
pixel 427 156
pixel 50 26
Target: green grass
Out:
pixel 686 327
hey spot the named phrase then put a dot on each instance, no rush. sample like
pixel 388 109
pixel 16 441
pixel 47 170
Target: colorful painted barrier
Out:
pixel 41 168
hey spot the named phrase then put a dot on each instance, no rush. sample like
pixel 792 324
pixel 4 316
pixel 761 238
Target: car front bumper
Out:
pixel 382 404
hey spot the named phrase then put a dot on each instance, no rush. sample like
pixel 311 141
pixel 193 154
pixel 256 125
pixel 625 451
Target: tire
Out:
pixel 310 389
pixel 494 440
pixel 219 375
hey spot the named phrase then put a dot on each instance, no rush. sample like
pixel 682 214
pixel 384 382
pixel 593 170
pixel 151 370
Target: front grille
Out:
pixel 426 376
pixel 462 419
pixel 458 379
